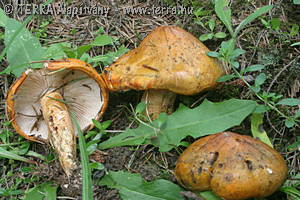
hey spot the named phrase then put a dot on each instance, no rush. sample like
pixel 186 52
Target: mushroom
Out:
pixel 40 103
pixel 233 166
pixel 168 61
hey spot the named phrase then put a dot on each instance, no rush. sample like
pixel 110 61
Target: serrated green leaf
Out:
pixel 289 102
pixel 24 49
pixel 208 118
pixel 257 129
pixel 133 187
pixel 224 13
pixel 251 17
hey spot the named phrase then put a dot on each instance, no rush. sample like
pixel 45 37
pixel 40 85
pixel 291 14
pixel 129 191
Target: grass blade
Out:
pixel 251 17
pixel 9 155
pixel 87 193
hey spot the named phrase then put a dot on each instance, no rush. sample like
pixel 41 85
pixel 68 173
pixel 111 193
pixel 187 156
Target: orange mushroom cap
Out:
pixel 233 166
pixel 168 58
pixel 79 83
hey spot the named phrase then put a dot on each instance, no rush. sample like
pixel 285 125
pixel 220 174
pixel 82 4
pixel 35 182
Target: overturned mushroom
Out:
pixel 233 166
pixel 168 61
pixel 40 103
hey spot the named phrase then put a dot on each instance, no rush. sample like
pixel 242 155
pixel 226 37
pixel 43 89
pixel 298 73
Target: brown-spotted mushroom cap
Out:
pixel 75 85
pixel 168 59
pixel 233 166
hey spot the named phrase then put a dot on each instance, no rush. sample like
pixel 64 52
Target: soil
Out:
pixel 262 45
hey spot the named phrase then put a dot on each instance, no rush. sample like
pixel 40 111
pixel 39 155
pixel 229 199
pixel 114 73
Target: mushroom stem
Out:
pixel 61 132
pixel 158 101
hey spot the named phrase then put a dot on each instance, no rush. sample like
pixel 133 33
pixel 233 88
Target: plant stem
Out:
pixel 256 94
